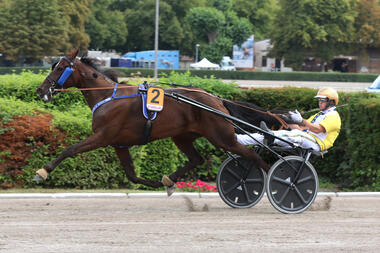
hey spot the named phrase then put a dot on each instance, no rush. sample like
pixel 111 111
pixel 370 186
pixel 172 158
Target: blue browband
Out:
pixel 67 72
pixel 112 98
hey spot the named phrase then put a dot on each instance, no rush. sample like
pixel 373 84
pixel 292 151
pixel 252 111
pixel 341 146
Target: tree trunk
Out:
pixel 212 36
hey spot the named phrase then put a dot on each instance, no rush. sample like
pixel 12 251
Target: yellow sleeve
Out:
pixel 331 122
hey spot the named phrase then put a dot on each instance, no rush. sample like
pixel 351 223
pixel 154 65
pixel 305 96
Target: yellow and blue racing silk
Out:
pixel 331 121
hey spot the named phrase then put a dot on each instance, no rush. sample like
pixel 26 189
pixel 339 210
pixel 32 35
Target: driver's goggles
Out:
pixel 323 99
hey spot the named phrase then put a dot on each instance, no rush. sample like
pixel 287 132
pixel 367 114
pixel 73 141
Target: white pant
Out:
pixel 296 136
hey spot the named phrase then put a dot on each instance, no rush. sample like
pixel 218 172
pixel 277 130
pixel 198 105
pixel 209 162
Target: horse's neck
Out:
pixel 95 96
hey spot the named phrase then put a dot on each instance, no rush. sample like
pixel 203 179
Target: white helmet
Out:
pixel 329 93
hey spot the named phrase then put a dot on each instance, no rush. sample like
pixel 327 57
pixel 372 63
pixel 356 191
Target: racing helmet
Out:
pixel 330 94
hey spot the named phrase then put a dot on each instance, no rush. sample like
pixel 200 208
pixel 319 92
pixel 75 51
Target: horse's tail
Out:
pixel 254 114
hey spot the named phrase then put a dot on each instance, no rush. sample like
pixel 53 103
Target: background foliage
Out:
pixel 312 28
pixel 31 31
pixel 297 28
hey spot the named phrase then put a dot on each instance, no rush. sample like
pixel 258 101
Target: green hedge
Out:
pixel 363 144
pixel 353 162
pixel 229 75
pixel 18 70
pixel 258 75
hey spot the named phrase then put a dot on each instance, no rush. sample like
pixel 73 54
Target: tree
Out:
pixel 222 5
pixel 141 27
pixel 217 25
pixel 182 8
pixel 260 14
pixel 122 5
pixel 237 29
pixel 216 50
pixel 367 24
pixel 172 34
pixel 312 28
pixel 76 13
pixel 31 31
pixel 206 22
pixel 107 28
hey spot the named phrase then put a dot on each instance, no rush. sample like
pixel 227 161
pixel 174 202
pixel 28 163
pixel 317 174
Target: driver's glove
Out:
pixel 296 116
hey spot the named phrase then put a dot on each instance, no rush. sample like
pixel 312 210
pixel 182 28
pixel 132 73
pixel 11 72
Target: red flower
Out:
pixel 198 185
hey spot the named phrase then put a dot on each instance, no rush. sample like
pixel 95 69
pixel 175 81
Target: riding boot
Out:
pixel 268 138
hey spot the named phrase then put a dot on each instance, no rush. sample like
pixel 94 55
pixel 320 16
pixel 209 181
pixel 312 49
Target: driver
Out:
pixel 317 132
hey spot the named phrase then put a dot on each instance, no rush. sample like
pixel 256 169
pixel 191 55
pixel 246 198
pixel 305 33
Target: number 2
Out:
pixel 154 99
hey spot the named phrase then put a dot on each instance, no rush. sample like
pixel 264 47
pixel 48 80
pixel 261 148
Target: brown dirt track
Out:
pixel 347 224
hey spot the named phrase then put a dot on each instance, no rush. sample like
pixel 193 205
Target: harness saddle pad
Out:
pixel 148 114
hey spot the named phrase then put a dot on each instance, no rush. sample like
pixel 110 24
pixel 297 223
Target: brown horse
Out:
pixel 120 122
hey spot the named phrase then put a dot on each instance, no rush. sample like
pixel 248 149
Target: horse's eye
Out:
pixel 59 68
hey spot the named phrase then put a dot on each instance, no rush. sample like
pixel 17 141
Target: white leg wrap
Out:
pixel 166 181
pixel 42 173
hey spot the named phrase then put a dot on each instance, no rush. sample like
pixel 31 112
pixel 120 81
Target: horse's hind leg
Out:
pixel 225 139
pixel 127 163
pixel 249 153
pixel 185 144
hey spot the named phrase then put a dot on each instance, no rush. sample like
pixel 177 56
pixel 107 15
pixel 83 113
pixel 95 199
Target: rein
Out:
pixel 188 88
pixel 124 87
pixel 98 88
pixel 283 123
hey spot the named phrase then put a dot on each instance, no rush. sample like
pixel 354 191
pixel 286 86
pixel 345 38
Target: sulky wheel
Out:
pixel 287 195
pixel 240 183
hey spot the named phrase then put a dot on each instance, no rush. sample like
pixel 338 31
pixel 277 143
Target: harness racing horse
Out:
pixel 120 123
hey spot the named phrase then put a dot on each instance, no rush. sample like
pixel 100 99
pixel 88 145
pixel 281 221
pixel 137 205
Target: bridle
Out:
pixel 64 76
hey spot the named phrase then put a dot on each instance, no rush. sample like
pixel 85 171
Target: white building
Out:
pixel 264 63
pixel 104 58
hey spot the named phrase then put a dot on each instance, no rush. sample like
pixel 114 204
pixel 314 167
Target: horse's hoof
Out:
pixel 170 190
pixel 38 178
pixel 166 181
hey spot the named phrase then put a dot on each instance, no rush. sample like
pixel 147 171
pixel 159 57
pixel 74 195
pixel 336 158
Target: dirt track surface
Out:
pixel 346 224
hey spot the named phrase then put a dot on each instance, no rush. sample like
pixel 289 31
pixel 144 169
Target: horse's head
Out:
pixel 62 75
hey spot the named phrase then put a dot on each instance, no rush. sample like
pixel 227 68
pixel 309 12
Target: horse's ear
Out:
pixel 74 54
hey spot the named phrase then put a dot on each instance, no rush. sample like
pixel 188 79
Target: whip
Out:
pixel 317 109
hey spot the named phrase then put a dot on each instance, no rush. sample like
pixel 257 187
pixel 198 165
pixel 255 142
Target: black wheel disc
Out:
pixel 287 195
pixel 240 183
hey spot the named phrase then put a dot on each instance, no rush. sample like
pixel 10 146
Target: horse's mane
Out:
pixel 94 63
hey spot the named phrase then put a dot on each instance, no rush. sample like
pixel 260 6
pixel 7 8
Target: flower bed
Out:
pixel 197 186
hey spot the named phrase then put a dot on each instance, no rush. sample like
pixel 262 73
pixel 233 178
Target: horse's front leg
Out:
pixel 90 143
pixel 127 163
pixel 185 144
